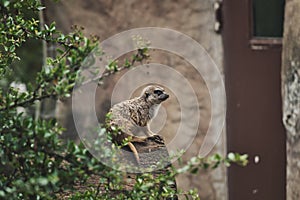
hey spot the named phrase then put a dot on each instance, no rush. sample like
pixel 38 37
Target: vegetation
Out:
pixel 34 162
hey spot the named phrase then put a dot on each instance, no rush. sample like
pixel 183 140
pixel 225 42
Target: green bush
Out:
pixel 35 163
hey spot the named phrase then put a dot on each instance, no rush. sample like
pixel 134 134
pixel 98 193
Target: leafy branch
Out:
pixel 26 98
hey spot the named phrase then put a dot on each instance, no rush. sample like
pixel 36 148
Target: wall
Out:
pixel 191 17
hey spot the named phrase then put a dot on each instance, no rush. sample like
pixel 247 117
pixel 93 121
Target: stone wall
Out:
pixel 193 18
pixel 291 95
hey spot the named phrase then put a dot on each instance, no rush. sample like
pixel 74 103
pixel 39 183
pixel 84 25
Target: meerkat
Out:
pixel 133 116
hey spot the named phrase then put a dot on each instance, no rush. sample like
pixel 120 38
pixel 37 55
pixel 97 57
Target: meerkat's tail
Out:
pixel 134 151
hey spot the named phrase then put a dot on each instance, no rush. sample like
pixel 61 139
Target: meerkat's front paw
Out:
pixel 157 138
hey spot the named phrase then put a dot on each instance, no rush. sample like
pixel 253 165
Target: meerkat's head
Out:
pixel 154 94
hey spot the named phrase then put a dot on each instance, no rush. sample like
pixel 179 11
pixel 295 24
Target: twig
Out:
pixel 106 74
pixel 44 48
pixel 28 101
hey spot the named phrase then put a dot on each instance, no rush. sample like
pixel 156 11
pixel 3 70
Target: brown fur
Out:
pixel 132 116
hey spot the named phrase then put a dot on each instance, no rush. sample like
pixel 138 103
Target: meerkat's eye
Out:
pixel 158 92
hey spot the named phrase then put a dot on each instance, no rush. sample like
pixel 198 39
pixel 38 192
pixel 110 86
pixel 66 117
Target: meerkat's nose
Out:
pixel 163 97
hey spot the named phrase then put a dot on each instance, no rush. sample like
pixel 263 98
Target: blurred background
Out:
pixel 254 43
pixel 193 18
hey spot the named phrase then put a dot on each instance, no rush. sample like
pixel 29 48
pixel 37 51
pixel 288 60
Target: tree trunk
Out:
pixel 291 94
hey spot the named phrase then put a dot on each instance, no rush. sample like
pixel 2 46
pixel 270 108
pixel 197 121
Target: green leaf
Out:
pixel 194 170
pixel 41 8
pixel 12 48
pixel 46 27
pixel 231 156
pixel 6 3
pixel 2 193
pixel 42 181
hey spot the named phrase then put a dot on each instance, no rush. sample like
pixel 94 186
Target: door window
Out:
pixel 268 18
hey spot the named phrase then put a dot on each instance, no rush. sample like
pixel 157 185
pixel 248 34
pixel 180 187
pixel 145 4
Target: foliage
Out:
pixel 34 162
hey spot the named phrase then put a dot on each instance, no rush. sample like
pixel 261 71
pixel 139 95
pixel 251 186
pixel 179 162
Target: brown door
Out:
pixel 252 55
